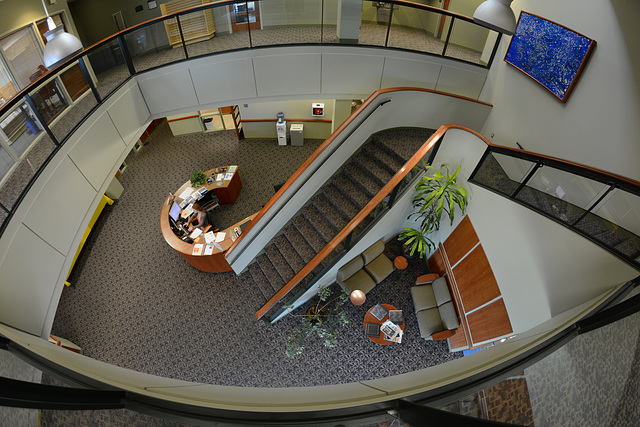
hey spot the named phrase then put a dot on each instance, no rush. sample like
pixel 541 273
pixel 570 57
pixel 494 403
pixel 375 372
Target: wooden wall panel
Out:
pixel 489 322
pixel 475 280
pixel 436 263
pixel 472 285
pixel 461 241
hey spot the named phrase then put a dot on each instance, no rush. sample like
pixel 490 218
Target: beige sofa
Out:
pixel 436 313
pixel 366 270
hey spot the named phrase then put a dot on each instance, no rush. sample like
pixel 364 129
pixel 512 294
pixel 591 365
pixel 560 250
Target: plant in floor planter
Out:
pixel 198 178
pixel 435 193
pixel 321 319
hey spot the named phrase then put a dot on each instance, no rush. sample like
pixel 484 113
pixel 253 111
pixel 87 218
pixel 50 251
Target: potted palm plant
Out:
pixel 435 193
pixel 321 319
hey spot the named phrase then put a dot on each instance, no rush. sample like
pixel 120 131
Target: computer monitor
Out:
pixel 174 212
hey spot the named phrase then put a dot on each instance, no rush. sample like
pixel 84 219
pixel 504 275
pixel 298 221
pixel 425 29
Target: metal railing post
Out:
pixel 87 76
pixel 126 55
pixel 446 43
pixel 45 126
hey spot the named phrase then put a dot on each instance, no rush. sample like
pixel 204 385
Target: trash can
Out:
pixel 296 133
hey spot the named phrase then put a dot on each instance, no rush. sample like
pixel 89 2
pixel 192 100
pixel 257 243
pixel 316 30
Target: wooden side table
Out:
pixel 370 318
pixel 401 262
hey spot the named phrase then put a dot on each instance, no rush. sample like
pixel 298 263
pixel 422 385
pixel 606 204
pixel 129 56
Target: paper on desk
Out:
pixel 209 237
pixel 186 193
pixel 188 209
pixel 220 237
pixel 197 249
pixel 220 177
pixel 208 249
pixel 195 233
pixel 228 176
pixel 232 169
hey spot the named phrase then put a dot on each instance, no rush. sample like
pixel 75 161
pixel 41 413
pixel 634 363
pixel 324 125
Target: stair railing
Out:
pixel 269 212
pixel 308 168
pixel 584 199
pixel 613 182
pixel 362 215
pixel 352 239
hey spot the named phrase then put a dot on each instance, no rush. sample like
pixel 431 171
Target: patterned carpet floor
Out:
pixel 136 304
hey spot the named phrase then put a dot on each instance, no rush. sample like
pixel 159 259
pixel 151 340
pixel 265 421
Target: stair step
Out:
pixel 310 234
pixel 369 163
pixel 354 192
pixel 289 253
pixel 280 263
pixel 363 178
pixel 403 142
pixel 320 222
pixel 270 272
pixel 330 211
pixel 298 241
pixel 342 202
pixel 261 281
pixel 386 159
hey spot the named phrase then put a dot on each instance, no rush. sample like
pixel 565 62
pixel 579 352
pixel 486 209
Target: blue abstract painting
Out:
pixel 551 54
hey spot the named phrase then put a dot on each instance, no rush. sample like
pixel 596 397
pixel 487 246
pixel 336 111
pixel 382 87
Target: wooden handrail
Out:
pixel 370 100
pixel 395 180
pixel 369 207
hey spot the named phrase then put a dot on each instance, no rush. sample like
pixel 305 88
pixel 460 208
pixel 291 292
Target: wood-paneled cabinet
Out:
pixel 196 26
pixel 465 266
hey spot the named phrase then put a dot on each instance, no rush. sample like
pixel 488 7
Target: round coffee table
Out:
pixel 370 318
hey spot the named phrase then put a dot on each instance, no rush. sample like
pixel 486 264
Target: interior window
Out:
pixel 24 55
pixel 7 87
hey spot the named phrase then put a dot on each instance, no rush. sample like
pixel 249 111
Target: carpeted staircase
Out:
pixel 330 210
pixel 611 236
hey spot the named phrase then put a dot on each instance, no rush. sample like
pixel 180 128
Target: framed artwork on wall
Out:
pixel 551 54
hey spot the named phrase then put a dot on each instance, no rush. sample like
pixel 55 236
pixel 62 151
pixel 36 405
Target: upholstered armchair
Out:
pixel 436 313
pixel 366 270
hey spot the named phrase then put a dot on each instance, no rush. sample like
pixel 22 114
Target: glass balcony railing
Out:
pixel 40 118
pixel 600 206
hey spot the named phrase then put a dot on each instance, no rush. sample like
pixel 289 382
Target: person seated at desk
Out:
pixel 198 219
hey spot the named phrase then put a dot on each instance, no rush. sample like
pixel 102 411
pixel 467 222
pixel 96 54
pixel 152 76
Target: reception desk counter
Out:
pixel 227 192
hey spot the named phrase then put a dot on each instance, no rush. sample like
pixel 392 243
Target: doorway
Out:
pixel 244 16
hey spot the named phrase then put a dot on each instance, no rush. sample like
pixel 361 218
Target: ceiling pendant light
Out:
pixel 60 44
pixel 497 15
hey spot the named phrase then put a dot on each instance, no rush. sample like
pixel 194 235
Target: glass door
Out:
pixel 244 15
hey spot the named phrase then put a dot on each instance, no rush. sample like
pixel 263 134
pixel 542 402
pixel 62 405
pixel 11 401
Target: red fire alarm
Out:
pixel 317 110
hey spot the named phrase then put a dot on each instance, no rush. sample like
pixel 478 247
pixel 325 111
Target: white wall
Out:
pixel 297 109
pixel 296 73
pixel 541 267
pixel 599 125
pixel 291 13
pixel 40 242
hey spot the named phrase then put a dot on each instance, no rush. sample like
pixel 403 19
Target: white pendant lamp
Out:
pixel 60 44
pixel 497 15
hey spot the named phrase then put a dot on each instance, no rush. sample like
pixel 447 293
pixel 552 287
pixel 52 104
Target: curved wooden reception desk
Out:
pixel 227 192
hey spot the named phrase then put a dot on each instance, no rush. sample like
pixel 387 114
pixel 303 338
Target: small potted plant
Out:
pixel 322 319
pixel 435 194
pixel 198 178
